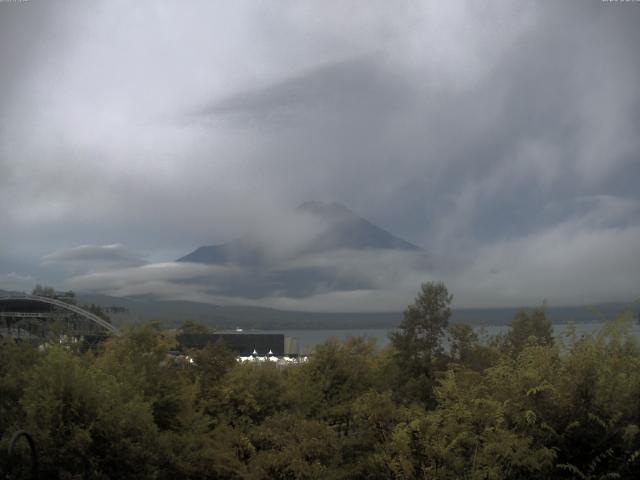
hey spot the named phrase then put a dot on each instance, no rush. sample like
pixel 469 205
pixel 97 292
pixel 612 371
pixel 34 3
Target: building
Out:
pixel 244 344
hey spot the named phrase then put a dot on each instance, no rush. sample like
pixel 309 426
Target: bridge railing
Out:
pixel 26 314
pixel 66 306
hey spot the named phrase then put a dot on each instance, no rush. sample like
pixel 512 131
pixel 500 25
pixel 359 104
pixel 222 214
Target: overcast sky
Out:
pixel 502 137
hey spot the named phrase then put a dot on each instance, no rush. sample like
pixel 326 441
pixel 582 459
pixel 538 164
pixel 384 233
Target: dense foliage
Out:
pixel 518 406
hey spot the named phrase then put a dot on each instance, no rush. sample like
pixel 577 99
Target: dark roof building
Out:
pixel 243 343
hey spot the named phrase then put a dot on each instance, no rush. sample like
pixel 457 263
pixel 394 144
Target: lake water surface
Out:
pixel 307 339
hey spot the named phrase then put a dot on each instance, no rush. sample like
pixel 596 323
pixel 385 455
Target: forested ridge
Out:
pixel 524 405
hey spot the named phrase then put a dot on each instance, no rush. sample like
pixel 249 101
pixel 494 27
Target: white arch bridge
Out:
pixel 34 318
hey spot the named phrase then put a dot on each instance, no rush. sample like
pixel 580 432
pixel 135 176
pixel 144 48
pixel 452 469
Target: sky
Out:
pixel 501 137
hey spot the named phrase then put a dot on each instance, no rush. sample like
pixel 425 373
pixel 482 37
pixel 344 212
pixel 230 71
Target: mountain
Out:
pixel 345 229
pixel 338 228
pixel 173 313
pixel 243 251
pixel 317 248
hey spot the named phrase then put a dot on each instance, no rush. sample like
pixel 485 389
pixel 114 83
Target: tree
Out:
pixel 466 349
pixel 43 291
pixel 529 327
pixel 251 393
pixel 98 311
pixel 139 358
pixel 290 447
pixel 463 339
pixel 191 326
pixel 211 365
pixel 16 360
pixel 336 375
pixel 418 340
pixel 86 424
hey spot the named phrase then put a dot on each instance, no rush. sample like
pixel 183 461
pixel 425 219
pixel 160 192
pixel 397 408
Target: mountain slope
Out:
pixel 344 229
pixel 173 313
pixel 338 228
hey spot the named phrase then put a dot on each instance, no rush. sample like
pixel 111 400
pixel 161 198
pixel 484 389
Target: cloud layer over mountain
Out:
pixel 502 137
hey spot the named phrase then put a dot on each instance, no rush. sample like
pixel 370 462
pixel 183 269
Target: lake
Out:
pixel 307 339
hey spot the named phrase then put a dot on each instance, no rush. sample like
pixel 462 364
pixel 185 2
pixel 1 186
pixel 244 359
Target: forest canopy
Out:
pixel 520 405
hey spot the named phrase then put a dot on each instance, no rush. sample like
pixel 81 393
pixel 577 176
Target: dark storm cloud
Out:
pixel 499 136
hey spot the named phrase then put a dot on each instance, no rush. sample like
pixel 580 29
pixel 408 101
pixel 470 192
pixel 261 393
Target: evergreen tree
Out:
pixel 418 341
pixel 529 327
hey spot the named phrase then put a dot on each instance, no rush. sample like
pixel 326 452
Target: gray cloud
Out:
pixel 506 130
pixel 93 257
pixel 169 280
pixel 571 253
pixel 381 279
pixel 13 281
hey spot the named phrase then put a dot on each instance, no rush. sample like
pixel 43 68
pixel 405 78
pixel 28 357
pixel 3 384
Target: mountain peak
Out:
pixel 324 209
pixel 289 262
pixel 339 228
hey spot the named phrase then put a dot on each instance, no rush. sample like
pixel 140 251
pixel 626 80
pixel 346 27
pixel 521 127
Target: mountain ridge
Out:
pixel 172 313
